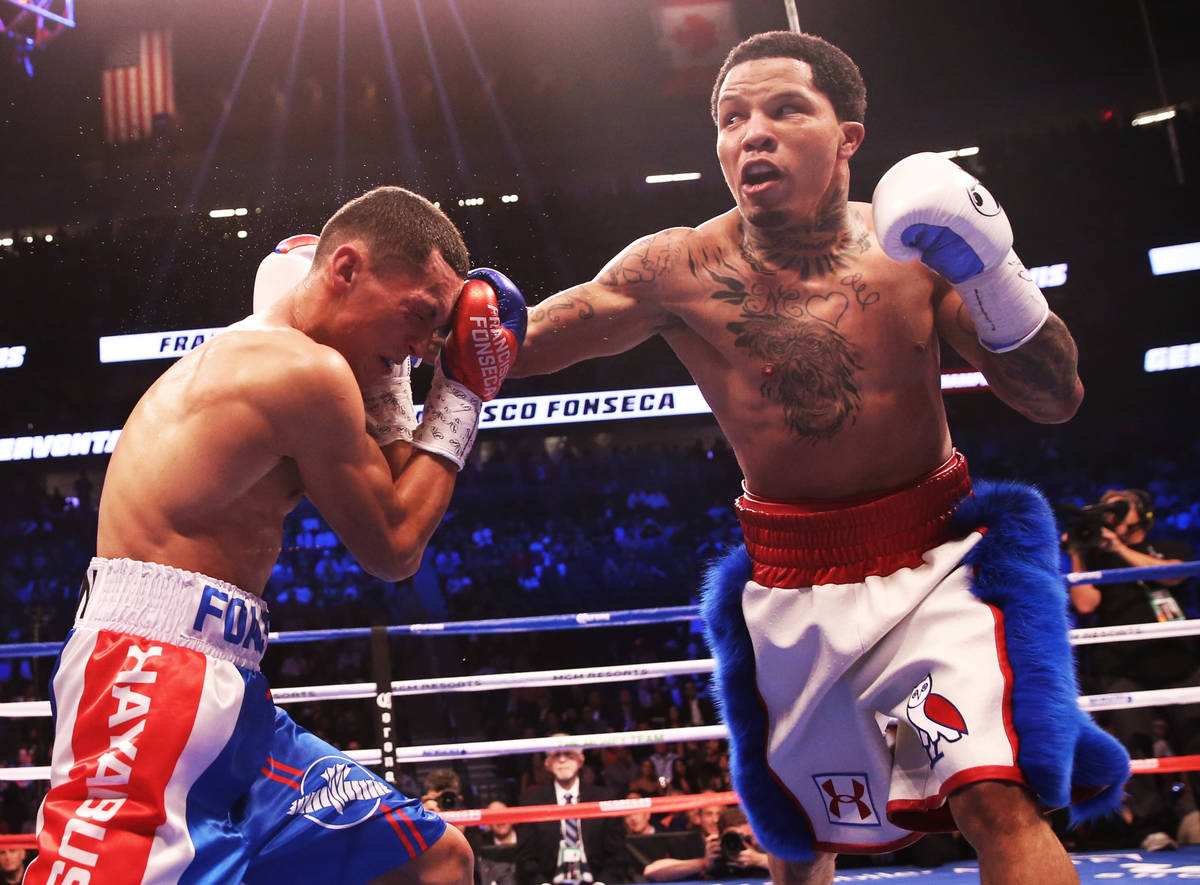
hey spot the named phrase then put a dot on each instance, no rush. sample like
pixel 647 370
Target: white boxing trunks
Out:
pixel 862 677
pixel 172 765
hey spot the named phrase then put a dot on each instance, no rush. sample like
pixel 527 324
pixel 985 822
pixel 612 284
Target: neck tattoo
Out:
pixel 837 236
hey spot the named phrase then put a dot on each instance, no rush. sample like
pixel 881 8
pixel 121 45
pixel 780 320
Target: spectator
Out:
pixel 12 865
pixel 619 769
pixel 496 852
pixel 697 710
pixel 638 823
pixel 570 849
pixel 646 783
pixel 694 858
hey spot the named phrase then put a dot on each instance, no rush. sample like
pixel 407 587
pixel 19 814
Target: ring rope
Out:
pixel 622 807
pixel 488 682
pixel 584 620
pixel 495 681
pixel 485 749
pixel 529 814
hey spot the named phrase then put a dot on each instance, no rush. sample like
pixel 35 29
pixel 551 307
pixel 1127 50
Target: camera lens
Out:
pixel 733 843
pixel 447 800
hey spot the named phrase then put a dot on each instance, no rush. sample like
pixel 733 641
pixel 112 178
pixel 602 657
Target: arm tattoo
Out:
pixel 1044 366
pixel 562 304
pixel 643 262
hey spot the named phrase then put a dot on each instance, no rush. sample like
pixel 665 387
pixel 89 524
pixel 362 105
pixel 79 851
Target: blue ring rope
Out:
pixel 587 620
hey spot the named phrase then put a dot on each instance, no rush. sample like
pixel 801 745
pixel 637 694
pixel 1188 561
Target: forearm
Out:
pixel 1084 597
pixel 592 320
pixel 422 489
pixel 669 869
pixel 1137 559
pixel 1039 379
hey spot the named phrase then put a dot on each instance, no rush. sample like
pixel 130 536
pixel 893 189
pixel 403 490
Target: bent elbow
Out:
pixel 401 563
pixel 1057 409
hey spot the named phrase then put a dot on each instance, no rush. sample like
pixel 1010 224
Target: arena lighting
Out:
pixel 471 201
pixel 1177 356
pixel 1174 259
pixel 961 152
pixel 1048 276
pixel 1158 115
pixel 672 176
pixel 508 198
pixel 12 357
pixel 242 235
pixel 7 241
pixel 226 213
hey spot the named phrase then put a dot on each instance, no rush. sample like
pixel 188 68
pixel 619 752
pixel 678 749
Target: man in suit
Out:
pixel 697 709
pixel 540 846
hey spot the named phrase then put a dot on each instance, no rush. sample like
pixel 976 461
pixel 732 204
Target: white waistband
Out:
pixel 172 605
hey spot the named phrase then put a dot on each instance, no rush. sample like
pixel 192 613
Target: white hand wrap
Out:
pixel 450 420
pixel 389 405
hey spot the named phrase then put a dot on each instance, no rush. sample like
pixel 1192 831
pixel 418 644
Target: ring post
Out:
pixel 385 727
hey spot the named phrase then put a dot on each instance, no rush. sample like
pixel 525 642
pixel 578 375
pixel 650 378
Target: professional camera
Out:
pixel 733 844
pixel 1084 526
pixel 448 800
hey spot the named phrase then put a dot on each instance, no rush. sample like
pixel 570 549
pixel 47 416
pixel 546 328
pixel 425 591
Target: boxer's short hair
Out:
pixel 834 72
pixel 401 230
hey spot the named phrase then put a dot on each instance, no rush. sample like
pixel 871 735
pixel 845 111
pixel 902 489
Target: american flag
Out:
pixel 137 82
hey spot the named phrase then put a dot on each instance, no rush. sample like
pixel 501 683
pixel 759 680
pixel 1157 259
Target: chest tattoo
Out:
pixel 809 366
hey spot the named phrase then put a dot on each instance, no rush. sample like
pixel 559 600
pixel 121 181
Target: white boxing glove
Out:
pixel 389 405
pixel 929 208
pixel 280 271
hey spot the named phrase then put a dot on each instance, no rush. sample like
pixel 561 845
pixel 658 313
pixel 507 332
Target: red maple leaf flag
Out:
pixel 696 35
pixel 136 84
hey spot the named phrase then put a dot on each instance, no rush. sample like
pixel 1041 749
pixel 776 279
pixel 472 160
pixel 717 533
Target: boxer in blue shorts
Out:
pixel 171 764
pixel 814 336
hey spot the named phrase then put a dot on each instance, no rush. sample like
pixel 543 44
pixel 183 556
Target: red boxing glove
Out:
pixel 486 331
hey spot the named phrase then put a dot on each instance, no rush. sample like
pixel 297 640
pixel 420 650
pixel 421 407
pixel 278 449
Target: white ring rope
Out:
pixel 537 678
pixel 488 682
pixel 483 749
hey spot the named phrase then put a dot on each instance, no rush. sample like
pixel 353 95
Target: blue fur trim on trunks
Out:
pixel 1060 747
pixel 1061 750
pixel 778 823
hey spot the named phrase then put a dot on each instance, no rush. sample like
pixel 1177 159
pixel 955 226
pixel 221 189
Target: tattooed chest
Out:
pixel 797 338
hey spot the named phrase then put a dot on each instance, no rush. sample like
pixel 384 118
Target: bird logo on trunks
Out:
pixel 337 793
pixel 934 718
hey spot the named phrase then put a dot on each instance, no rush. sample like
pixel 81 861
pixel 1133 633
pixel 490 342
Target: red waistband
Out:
pixel 802 543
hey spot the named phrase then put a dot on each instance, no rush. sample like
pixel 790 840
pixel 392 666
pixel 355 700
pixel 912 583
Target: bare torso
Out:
pixel 198 480
pixel 823 372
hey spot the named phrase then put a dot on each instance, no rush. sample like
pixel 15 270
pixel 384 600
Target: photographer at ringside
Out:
pixel 1111 535
pixel 740 856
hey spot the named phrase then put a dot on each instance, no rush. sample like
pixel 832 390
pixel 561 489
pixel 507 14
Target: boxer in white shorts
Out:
pixel 814 336
pixel 866 669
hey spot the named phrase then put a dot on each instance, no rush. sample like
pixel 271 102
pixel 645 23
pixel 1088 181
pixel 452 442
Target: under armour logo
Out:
pixel 847 798
pixel 837 800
